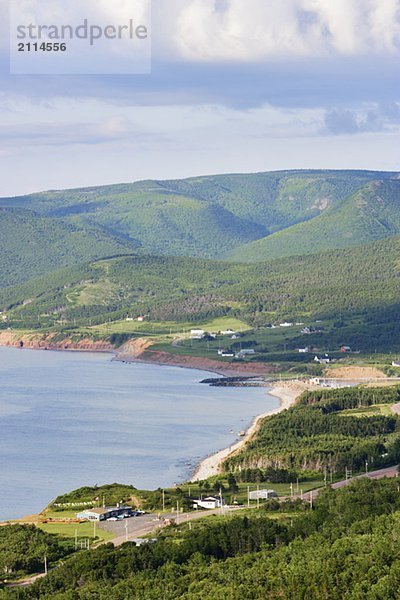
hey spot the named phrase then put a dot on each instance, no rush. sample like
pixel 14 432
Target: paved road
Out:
pixel 379 474
pixel 145 524
pixel 140 526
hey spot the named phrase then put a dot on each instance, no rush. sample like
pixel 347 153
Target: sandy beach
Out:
pixel 287 394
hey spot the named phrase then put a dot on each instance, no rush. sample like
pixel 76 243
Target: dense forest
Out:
pixel 326 432
pixel 345 548
pixel 23 549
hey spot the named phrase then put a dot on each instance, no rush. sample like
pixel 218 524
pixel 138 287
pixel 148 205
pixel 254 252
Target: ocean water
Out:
pixel 71 419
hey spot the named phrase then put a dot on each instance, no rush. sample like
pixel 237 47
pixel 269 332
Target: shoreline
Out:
pixel 135 351
pixel 287 393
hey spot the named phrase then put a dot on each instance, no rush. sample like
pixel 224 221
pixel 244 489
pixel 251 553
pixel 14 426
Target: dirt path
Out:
pixel 354 373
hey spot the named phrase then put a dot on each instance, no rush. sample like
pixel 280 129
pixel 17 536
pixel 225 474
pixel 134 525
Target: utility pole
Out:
pixel 177 512
pixel 366 467
pixel 45 565
pixel 311 500
pixel 248 496
pixel 94 530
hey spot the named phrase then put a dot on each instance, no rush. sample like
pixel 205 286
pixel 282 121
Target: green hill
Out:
pixel 358 286
pixel 32 245
pixel 211 216
pixel 371 213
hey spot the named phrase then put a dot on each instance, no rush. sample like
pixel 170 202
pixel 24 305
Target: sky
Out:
pixel 235 86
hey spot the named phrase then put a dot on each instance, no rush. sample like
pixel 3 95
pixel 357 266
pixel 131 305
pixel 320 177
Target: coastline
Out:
pixel 287 393
pixel 135 351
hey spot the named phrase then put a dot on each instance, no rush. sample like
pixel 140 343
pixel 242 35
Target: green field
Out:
pixel 169 328
pixel 378 409
pixel 82 530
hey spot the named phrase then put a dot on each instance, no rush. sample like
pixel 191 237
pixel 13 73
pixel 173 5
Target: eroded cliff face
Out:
pixel 140 350
pixel 50 342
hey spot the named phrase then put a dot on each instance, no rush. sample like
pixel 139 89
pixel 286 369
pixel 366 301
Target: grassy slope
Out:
pixel 371 213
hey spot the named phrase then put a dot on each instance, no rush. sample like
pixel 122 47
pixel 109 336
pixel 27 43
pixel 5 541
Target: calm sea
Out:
pixel 74 419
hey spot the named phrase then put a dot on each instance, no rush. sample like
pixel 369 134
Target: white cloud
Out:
pixel 255 30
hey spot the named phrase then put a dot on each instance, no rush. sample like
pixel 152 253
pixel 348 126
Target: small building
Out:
pixel 324 360
pixel 197 334
pixel 245 352
pixel 141 319
pixel 396 363
pixel 262 494
pixel 345 349
pixel 304 350
pixel 285 324
pixel 227 332
pixel 144 541
pixel 226 353
pixel 102 514
pixel 209 503
pixel 314 381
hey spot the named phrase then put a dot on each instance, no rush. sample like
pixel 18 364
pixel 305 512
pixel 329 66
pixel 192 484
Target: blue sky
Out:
pixel 236 85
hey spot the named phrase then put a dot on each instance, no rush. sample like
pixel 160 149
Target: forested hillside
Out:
pixel 371 213
pixel 290 212
pixel 358 288
pixel 327 432
pixel 32 245
pixel 346 548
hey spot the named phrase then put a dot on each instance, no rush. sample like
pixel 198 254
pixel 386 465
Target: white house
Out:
pixel 285 324
pixel 325 360
pixel 209 503
pixel 226 353
pixel 395 363
pixel 227 332
pixel 197 334
pixel 245 352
